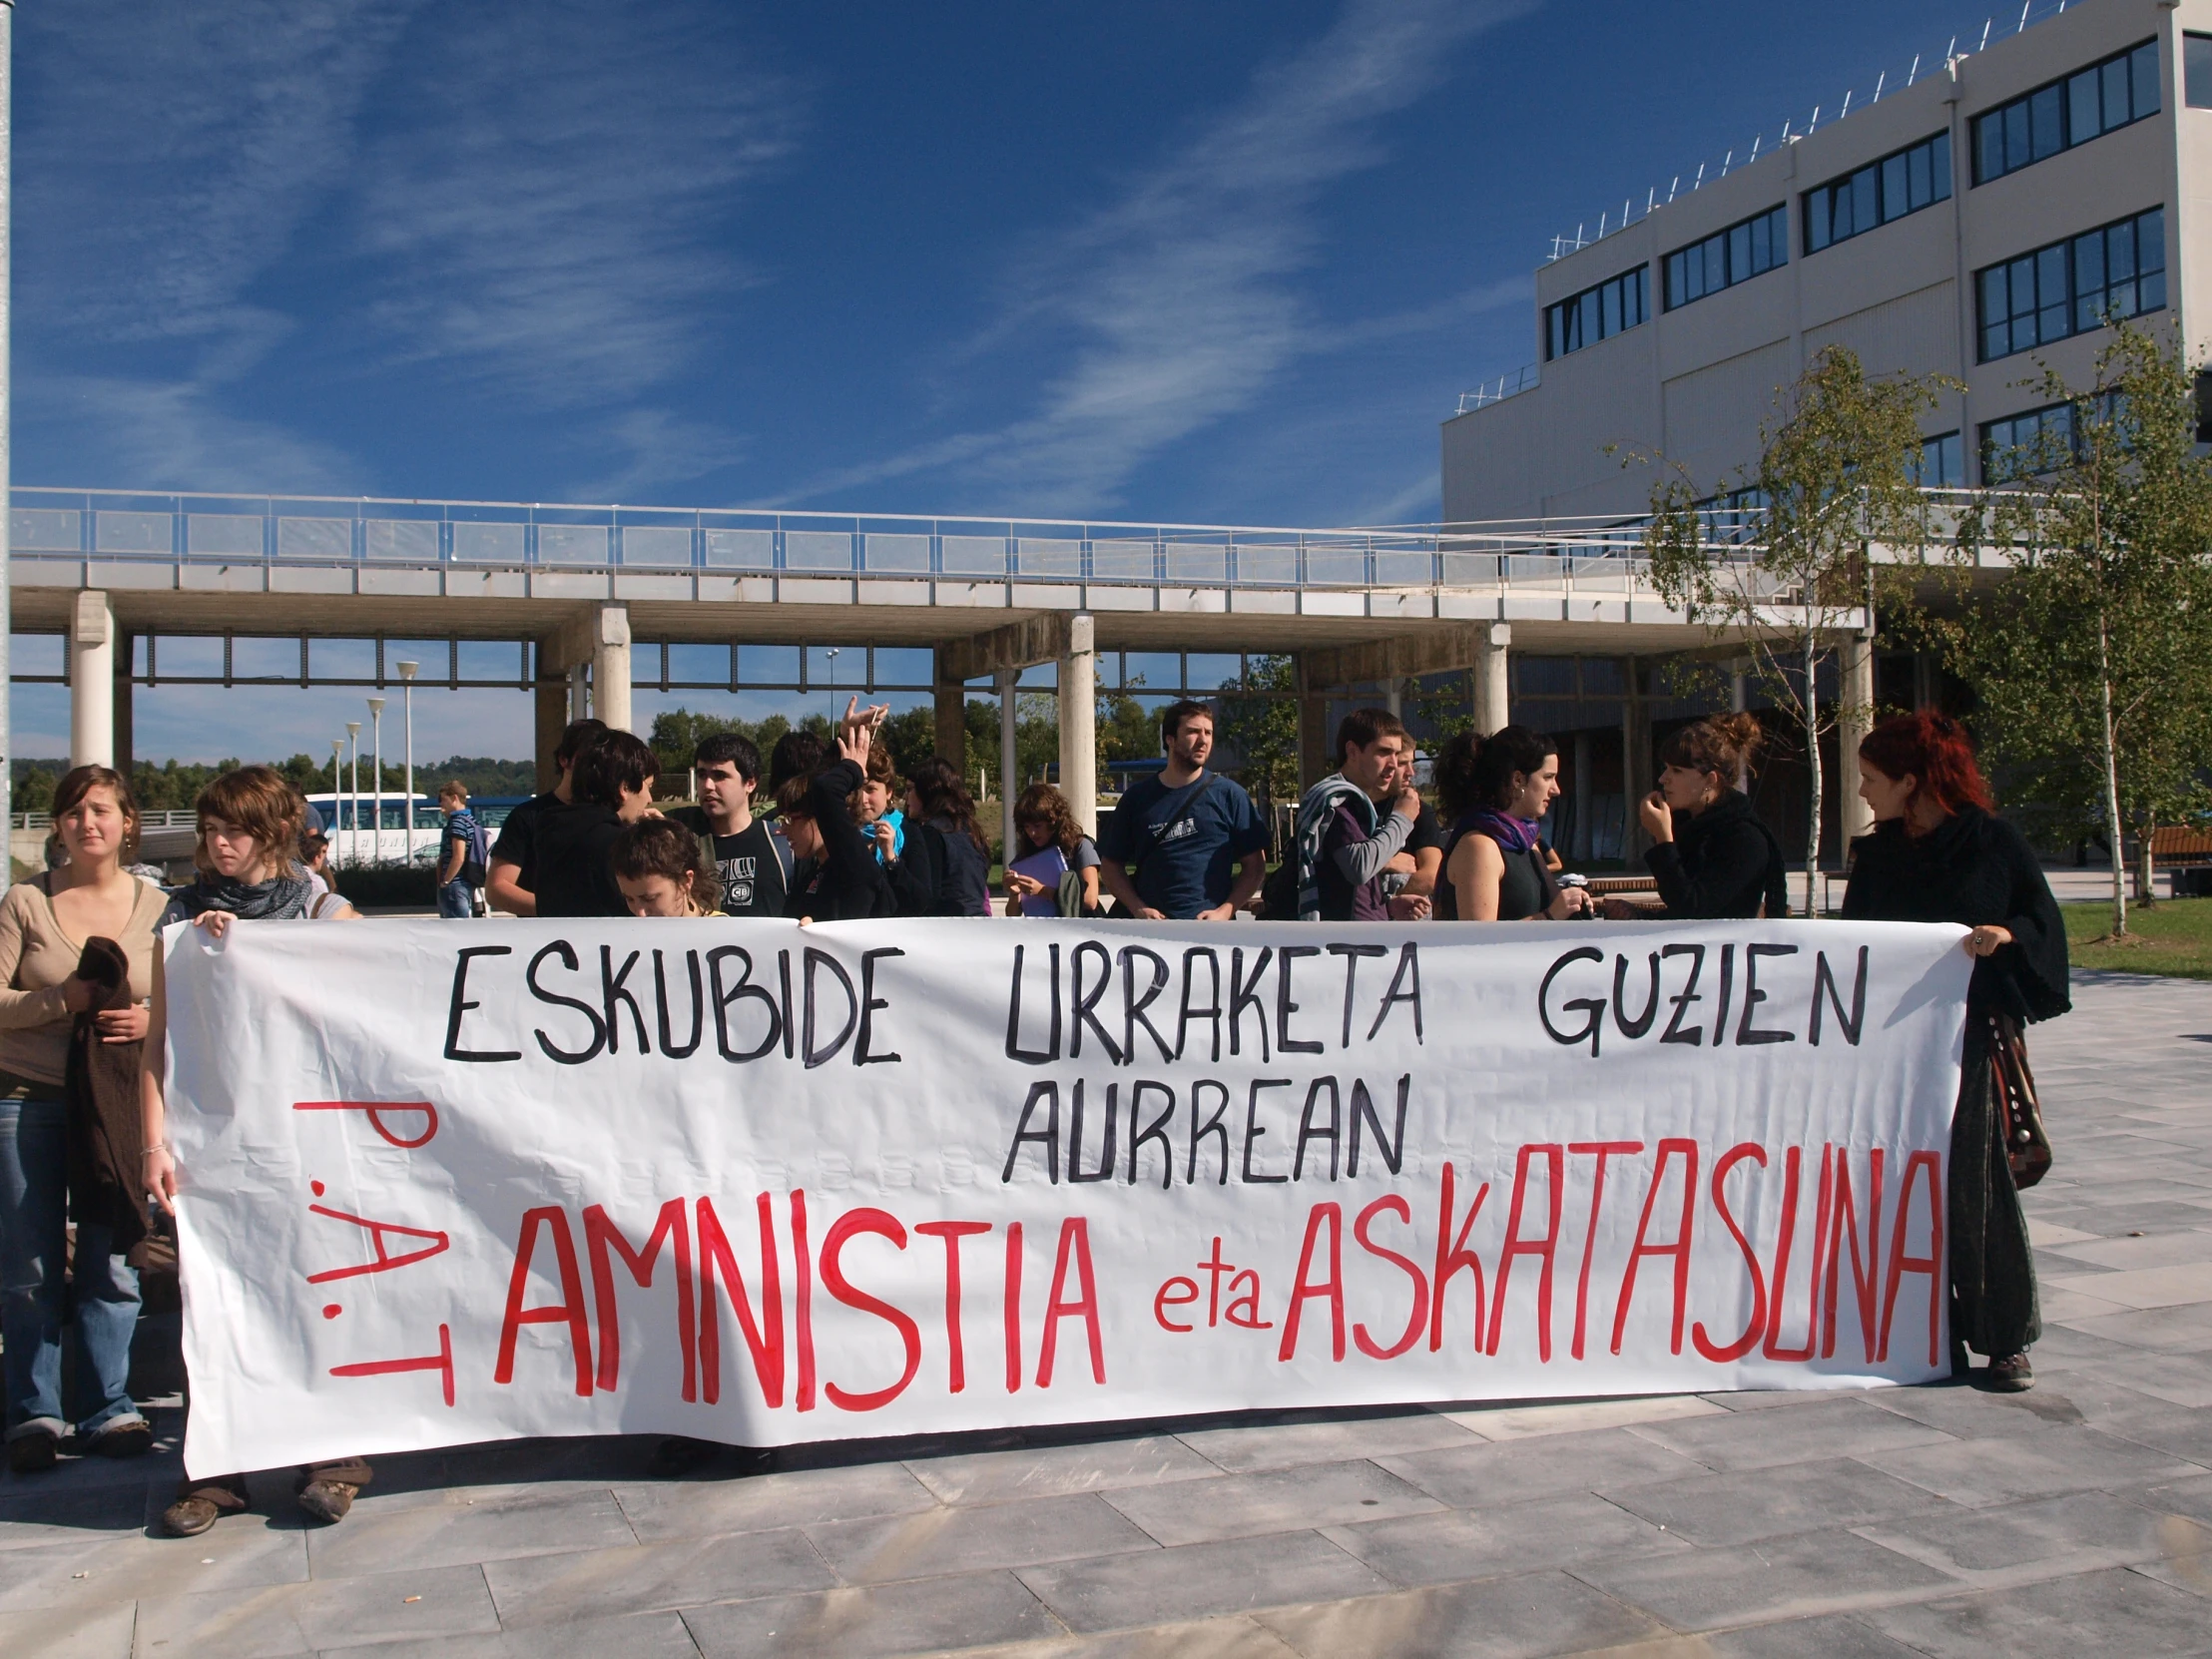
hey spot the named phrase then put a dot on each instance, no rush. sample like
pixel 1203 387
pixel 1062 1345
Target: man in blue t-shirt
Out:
pixel 1198 844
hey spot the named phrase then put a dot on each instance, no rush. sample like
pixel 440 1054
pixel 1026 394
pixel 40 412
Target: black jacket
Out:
pixel 571 843
pixel 940 873
pixel 845 883
pixel 1977 870
pixel 1723 863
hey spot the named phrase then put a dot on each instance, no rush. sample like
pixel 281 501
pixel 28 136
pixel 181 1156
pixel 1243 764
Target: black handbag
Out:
pixel 2026 1146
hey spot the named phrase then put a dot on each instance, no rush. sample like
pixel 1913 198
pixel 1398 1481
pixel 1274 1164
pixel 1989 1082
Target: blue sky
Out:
pixel 1230 261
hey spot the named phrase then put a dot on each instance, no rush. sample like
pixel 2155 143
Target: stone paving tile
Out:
pixel 1237 1638
pixel 1744 1505
pixel 73 1632
pixel 1515 1423
pixel 468 1530
pixel 938 1541
pixel 1780 1578
pixel 1978 1473
pixel 2064 1619
pixel 1831 1636
pixel 537 1590
pixel 1460 1544
pixel 1815 1429
pixel 2174 1429
pixel 2186 1329
pixel 242 1553
pixel 2178 1378
pixel 2153 1250
pixel 2070 1399
pixel 1513 1471
pixel 2022 1543
pixel 1197 1582
pixel 1285 1445
pixel 922 1616
pixel 1241 1505
pixel 2072 1304
pixel 1528 1617
pixel 630 1636
pixel 2167 1287
pixel 763 1502
pixel 321 1615
pixel 2103 1219
pixel 1051 1472
pixel 83 1515
pixel 2192 1498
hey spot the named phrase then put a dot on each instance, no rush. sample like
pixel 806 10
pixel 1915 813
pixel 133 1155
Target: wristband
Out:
pixel 157 1146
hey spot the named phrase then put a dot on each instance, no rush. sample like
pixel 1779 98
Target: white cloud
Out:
pixel 545 215
pixel 1182 299
pixel 173 434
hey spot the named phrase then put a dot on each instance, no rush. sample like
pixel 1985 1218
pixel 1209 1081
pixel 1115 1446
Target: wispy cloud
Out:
pixel 174 434
pixel 1179 304
pixel 546 213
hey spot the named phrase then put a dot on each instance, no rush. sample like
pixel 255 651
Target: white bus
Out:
pixel 369 842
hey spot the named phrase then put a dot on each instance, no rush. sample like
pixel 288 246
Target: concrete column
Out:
pixel 610 666
pixel 1079 724
pixel 91 680
pixel 579 691
pixel 949 705
pixel 1493 681
pixel 123 744
pixel 551 699
pixel 1008 710
pixel 1585 797
pixel 1854 720
pixel 1393 696
pixel 1314 760
pixel 1635 760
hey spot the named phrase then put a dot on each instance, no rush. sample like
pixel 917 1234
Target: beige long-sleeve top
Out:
pixel 36 956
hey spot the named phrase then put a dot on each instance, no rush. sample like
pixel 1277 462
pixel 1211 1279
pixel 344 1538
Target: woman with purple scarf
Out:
pixel 1495 790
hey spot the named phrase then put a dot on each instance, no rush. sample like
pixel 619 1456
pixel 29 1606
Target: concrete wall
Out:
pixel 1695 384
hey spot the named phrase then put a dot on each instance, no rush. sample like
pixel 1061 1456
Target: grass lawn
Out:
pixel 2173 938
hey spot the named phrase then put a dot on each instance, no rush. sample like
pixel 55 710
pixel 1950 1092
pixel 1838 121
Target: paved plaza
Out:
pixel 2074 1520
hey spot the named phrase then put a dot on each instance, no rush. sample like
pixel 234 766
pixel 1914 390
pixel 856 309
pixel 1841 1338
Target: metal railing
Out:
pixel 1506 386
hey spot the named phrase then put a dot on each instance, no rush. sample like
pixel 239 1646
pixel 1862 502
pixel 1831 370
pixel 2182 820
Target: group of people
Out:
pixel 82 1109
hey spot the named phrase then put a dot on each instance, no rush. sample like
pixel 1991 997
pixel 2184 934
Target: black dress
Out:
pixel 1723 862
pixel 1978 870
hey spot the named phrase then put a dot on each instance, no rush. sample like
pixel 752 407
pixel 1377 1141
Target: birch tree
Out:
pixel 1778 558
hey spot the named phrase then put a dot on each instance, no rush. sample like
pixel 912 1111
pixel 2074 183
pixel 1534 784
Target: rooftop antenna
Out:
pixel 1916 71
pixel 1985 24
pixel 1785 132
pixel 1813 124
pixel 1844 114
pixel 1579 241
pixel 1878 81
pixel 1677 184
pixel 1624 212
pixel 2022 29
pixel 1754 148
pixel 1651 199
pixel 1601 225
pixel 1700 177
pixel 1725 160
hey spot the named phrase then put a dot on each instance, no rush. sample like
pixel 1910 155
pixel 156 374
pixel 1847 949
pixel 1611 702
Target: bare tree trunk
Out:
pixel 2112 779
pixel 1813 762
pixel 2146 866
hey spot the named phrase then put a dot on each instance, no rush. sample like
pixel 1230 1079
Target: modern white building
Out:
pixel 1979 223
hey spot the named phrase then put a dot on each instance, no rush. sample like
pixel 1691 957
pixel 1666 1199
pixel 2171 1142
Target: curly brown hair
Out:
pixel 1042 803
pixel 260 801
pixel 660 846
pixel 1722 743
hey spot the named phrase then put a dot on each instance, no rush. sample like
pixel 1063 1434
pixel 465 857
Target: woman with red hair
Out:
pixel 1940 853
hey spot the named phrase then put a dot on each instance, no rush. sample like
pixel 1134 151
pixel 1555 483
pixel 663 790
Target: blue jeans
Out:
pixel 456 899
pixel 35 1301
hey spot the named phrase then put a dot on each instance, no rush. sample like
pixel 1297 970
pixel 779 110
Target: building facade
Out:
pixel 1981 224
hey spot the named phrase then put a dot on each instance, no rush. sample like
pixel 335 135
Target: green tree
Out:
pixel 1837 477
pixel 2092 657
pixel 1262 731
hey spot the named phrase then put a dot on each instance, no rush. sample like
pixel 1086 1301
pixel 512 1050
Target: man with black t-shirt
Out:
pixel 511 879
pixel 754 861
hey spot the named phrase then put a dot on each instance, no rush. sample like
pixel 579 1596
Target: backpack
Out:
pixel 1279 893
pixel 476 860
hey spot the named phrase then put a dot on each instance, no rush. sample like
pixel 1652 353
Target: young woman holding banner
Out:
pixel 1937 853
pixel 58 1153
pixel 1494 791
pixel 249 871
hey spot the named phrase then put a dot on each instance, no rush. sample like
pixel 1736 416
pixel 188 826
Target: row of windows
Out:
pixel 1596 313
pixel 2028 442
pixel 2074 286
pixel 2063 113
pixel 1747 249
pixel 1905 182
pixel 1942 463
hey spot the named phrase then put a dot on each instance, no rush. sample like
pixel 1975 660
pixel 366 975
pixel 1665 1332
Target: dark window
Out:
pixel 1726 258
pixel 2080 107
pixel 2204 405
pixel 2197 71
pixel 1597 314
pixel 1941 463
pixel 2072 286
pixel 2035 440
pixel 1897 184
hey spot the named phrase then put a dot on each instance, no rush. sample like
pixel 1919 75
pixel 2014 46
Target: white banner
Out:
pixel 760 1184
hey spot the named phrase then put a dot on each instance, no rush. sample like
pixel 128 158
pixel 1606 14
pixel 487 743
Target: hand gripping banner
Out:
pixel 764 1184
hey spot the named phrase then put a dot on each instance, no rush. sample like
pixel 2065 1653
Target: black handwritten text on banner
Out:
pixel 764 1184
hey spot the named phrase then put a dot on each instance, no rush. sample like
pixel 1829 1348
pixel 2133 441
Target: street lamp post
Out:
pixel 337 794
pixel 354 790
pixel 832 656
pixel 406 694
pixel 376 778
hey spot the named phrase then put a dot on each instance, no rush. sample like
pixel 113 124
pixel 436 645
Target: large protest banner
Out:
pixel 764 1184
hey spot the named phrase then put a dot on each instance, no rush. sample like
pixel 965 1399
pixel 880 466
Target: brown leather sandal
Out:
pixel 200 1503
